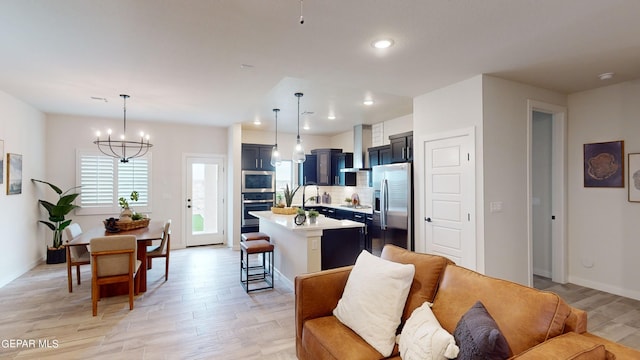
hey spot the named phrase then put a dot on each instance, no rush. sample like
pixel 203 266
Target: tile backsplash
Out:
pixel 340 193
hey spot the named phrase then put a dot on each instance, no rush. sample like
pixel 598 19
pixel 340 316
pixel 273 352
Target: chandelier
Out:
pixel 123 149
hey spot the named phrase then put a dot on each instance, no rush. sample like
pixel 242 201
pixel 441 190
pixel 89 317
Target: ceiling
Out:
pixel 219 62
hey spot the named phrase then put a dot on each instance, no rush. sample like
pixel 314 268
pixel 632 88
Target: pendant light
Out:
pixel 298 150
pixel 123 149
pixel 275 154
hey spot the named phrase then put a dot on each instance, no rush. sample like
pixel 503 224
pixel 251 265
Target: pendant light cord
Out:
pixel 299 95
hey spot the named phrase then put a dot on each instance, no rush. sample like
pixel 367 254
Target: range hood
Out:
pixel 361 142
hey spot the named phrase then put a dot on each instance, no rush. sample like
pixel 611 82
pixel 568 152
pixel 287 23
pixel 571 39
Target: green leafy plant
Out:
pixel 313 213
pixel 57 212
pixel 301 211
pixel 288 195
pixel 124 203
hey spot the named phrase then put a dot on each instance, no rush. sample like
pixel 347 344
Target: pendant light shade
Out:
pixel 275 154
pixel 298 150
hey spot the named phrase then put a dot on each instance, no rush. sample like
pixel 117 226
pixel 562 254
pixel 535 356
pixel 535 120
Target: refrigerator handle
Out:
pixel 384 199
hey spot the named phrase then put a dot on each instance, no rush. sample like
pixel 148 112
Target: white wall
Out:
pixel 604 235
pixel 23 239
pixel 505 136
pixel 66 133
pixel 453 107
pixel 497 108
pixel 391 127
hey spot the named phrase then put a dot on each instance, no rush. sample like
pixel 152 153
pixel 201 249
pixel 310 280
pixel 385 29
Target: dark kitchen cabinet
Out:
pixel 256 157
pixel 308 170
pixel 379 155
pixel 326 166
pixel 401 147
pixel 343 161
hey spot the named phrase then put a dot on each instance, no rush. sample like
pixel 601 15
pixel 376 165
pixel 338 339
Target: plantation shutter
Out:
pixel 96 180
pixel 134 176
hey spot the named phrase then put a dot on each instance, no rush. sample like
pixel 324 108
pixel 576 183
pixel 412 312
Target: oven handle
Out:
pixel 257 201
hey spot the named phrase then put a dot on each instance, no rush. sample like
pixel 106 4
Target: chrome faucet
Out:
pixel 304 188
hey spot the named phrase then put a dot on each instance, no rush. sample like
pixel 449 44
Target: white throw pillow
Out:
pixel 423 338
pixel 374 298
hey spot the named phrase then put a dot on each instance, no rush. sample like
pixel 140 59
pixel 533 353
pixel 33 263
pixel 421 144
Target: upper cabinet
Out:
pixel 256 157
pixel 343 161
pixel 307 171
pixel 326 170
pixel 379 155
pixel 401 147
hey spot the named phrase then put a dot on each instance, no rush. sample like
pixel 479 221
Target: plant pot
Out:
pixel 56 256
pixel 312 219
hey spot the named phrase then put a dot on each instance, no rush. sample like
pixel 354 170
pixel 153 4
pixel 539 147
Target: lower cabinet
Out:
pixel 341 247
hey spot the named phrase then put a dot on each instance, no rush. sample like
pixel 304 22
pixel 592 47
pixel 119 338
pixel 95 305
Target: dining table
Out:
pixel 144 237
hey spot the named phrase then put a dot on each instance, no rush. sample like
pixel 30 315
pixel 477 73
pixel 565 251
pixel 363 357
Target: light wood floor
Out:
pixel 202 312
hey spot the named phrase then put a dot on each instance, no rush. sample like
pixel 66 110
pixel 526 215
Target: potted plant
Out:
pixel 127 215
pixel 288 195
pixel 57 221
pixel 313 215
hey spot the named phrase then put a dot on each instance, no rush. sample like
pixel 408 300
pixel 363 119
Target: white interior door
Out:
pixel 204 203
pixel 449 223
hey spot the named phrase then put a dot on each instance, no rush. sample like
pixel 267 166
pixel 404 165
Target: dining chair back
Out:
pixel 161 250
pixel 76 254
pixel 113 260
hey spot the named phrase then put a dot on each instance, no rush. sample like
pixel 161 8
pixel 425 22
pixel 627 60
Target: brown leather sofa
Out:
pixel 536 324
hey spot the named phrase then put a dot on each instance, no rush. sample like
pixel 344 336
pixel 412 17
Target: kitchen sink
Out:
pixel 356 206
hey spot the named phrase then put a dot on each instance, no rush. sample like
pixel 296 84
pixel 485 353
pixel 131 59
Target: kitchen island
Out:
pixel 301 249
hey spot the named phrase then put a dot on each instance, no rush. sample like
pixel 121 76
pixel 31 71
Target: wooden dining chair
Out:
pixel 113 260
pixel 76 254
pixel 161 250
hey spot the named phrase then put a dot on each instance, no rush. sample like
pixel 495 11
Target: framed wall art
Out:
pixel 604 164
pixel 14 174
pixel 634 176
pixel 1 161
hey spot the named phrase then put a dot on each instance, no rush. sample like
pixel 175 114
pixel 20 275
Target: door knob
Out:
pixel 428 219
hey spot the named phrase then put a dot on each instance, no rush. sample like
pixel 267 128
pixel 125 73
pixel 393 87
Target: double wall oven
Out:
pixel 258 194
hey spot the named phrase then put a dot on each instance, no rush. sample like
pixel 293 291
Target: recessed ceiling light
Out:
pixel 306 127
pixel 368 102
pixel 331 117
pixel 257 122
pixel 606 76
pixel 382 43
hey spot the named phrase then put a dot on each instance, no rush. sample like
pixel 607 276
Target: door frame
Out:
pixel 223 179
pixel 559 269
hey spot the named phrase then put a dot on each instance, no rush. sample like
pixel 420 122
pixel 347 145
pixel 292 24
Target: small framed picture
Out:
pixel 604 164
pixel 634 177
pixel 14 174
pixel 1 161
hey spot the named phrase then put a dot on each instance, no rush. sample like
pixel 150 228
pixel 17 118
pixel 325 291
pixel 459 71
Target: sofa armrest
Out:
pixel 576 321
pixel 317 294
pixel 567 346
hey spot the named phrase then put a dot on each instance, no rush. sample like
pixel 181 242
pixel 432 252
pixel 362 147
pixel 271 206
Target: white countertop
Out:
pixel 322 222
pixel 366 209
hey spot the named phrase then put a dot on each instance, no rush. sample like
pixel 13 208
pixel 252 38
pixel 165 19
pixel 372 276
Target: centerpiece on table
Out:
pixel 286 209
pixel 129 219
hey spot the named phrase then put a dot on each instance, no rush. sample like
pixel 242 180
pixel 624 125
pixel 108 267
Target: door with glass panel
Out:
pixel 204 203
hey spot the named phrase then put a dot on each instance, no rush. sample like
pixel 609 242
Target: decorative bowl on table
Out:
pixel 284 210
pixel 124 226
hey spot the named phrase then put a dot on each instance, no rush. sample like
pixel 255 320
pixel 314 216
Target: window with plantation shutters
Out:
pixel 104 180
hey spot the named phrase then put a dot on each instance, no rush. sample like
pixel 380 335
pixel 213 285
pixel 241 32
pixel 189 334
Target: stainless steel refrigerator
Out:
pixel 392 207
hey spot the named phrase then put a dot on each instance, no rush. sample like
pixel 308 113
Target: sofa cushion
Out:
pixel 531 317
pixel 569 346
pixel 479 337
pixel 374 298
pixel 327 338
pixel 423 338
pixel 429 269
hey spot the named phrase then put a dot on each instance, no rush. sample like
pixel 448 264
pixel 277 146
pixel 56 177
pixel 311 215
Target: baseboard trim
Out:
pixel 605 287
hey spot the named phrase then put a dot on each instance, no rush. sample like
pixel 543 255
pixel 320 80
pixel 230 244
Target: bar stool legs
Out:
pixel 256 273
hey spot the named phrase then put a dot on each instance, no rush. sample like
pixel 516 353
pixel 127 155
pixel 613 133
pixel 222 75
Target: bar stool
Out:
pixel 251 236
pixel 257 273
